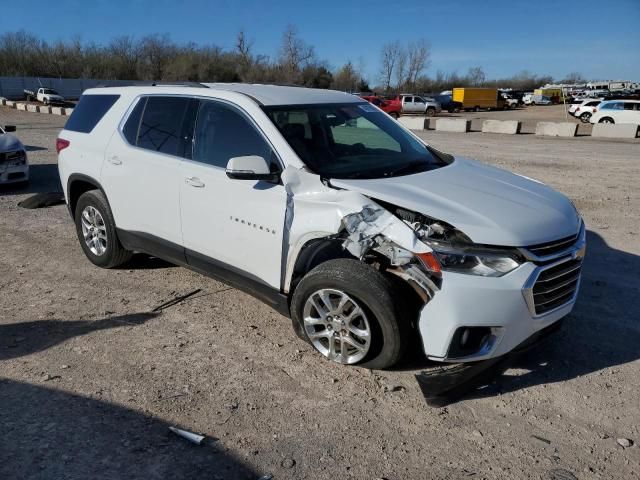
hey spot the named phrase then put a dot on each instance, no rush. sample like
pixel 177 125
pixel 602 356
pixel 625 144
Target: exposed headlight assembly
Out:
pixel 453 251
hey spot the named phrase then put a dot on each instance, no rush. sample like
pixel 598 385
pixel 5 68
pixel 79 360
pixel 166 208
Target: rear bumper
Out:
pixel 498 305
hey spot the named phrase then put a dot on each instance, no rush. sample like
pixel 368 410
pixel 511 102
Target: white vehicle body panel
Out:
pixel 479 200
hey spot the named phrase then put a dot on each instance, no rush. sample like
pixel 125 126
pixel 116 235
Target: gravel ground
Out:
pixel 90 378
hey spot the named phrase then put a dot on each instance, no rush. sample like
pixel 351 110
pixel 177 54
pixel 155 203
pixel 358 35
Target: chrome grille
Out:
pixel 549 248
pixel 556 285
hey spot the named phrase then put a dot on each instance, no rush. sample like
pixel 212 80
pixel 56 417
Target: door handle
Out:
pixel 115 160
pixel 194 182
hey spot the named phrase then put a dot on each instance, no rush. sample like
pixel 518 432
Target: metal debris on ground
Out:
pixel 561 474
pixel 548 442
pixel 175 301
pixel 192 437
pixel 624 442
pixel 266 477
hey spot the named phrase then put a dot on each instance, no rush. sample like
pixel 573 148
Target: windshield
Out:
pixel 50 91
pixel 352 140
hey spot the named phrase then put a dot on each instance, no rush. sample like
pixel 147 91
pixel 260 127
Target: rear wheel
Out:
pixel 96 231
pixel 584 118
pixel 476 108
pixel 394 115
pixel 351 314
pixel 431 112
pixel 607 120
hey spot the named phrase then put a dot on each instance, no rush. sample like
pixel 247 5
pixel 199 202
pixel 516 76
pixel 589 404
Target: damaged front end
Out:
pixel 361 227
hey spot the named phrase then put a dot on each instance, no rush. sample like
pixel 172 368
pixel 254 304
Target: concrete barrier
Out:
pixel 10 104
pixel 3 101
pixel 413 123
pixel 21 106
pixel 609 130
pixel 68 111
pixel 553 129
pixel 32 108
pixel 510 127
pixel 453 125
pixel 44 108
pixel 57 110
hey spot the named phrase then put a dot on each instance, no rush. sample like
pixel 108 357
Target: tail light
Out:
pixel 61 144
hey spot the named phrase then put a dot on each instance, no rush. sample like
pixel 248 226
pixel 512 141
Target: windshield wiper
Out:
pixel 411 167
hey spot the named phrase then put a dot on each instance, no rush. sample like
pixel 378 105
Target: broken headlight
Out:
pixel 455 252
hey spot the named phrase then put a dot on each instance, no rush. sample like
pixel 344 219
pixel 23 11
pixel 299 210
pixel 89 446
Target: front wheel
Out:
pixel 394 115
pixel 431 112
pixel 607 120
pixel 351 314
pixel 96 231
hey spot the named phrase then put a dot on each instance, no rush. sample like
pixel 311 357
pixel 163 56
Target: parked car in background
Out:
pixel 617 111
pixel 540 100
pixel 14 166
pixel 391 107
pixel 446 103
pixel 479 98
pixel 48 96
pixel 416 104
pixel 328 210
pixel 526 98
pixel 509 101
pixel 585 109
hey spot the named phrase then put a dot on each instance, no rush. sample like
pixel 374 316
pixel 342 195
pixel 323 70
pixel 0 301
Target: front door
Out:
pixel 230 225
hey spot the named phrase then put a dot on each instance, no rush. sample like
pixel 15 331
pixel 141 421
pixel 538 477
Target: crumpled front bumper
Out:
pixel 474 301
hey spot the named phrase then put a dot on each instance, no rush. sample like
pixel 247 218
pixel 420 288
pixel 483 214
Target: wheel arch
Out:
pixel 77 184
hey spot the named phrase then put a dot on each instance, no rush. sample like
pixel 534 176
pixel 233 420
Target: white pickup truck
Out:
pixel 48 96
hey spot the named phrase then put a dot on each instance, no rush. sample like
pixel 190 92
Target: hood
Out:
pixel 9 143
pixel 490 205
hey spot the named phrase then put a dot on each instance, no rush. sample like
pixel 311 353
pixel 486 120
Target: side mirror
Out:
pixel 251 167
pixel 9 128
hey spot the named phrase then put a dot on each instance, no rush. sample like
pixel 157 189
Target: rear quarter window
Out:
pixel 89 112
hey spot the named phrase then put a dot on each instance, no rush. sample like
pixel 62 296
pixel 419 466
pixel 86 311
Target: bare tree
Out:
pixel 388 59
pixel 401 69
pixel 295 54
pixel 243 47
pixel 418 54
pixel 476 76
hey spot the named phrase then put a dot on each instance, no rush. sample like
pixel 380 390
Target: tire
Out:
pixel 394 115
pixel 476 108
pixel 607 120
pixel 376 295
pixel 584 118
pixel 430 112
pixel 45 101
pixel 105 251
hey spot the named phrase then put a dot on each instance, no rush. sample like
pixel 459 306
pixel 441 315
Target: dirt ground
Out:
pixel 91 378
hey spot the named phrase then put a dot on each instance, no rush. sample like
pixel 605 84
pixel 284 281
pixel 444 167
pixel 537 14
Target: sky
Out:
pixel 599 39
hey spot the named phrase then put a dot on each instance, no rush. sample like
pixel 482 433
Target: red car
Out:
pixel 392 107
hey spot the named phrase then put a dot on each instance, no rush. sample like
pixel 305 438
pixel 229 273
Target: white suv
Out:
pixel 617 111
pixel 322 205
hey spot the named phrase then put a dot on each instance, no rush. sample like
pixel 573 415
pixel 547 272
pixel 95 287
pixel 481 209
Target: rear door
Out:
pixel 231 228
pixel 142 168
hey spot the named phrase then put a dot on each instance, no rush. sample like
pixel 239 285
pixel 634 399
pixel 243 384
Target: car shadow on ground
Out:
pixel 602 332
pixel 34 148
pixel 42 178
pixel 49 433
pixel 25 338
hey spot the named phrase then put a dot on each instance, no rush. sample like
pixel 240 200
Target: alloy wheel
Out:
pixel 94 230
pixel 337 326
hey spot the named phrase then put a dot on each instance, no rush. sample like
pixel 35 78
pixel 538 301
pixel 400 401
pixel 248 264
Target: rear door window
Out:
pixel 89 111
pixel 165 125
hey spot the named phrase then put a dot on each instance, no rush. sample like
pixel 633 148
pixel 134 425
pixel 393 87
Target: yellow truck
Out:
pixel 478 98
